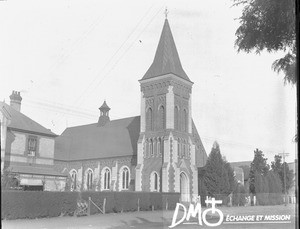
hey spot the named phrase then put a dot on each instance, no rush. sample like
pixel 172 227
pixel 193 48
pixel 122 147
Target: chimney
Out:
pixel 15 100
pixel 104 114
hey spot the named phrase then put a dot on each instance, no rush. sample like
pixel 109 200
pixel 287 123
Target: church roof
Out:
pixel 23 123
pixel 166 58
pixel 116 138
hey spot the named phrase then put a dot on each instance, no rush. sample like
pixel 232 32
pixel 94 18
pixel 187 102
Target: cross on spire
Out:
pixel 166 12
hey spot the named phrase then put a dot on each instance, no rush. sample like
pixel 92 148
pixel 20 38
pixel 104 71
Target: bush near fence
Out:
pixel 38 204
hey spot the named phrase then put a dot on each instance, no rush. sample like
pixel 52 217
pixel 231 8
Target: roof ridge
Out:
pixel 114 120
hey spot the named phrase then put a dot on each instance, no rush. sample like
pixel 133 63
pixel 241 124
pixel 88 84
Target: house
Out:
pixel 158 151
pixel 241 171
pixel 27 149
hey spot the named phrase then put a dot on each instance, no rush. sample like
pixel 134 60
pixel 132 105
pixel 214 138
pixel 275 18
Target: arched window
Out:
pixel 155 147
pixel 146 148
pixel 154 179
pixel 125 178
pixel 149 120
pixel 161 146
pixel 73 180
pixel 158 147
pixel 106 179
pixel 151 147
pixel 178 148
pixel 185 121
pixel 162 121
pixel 89 180
pixel 176 118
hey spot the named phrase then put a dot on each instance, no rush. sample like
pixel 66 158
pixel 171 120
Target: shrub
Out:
pixel 37 204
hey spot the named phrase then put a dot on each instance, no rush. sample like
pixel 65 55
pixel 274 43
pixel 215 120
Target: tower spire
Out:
pixel 166 59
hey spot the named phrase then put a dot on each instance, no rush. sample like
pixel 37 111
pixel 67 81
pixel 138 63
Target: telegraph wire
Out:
pixel 111 58
pixel 128 48
pixel 101 80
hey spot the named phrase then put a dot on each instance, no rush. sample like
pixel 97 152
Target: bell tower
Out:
pixel 166 149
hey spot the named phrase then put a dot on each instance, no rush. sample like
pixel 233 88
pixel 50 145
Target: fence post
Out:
pixel 89 206
pixel 138 208
pixel 152 206
pixel 167 204
pixel 104 203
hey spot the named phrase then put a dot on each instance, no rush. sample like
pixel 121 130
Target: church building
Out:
pixel 158 151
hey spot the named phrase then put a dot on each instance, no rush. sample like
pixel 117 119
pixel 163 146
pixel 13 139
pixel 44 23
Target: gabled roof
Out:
pixel 23 123
pixel 116 138
pixel 166 58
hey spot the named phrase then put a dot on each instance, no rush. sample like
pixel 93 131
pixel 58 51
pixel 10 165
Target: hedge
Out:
pixel 38 204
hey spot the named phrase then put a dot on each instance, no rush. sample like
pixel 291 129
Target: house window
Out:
pixel 73 180
pixel 106 183
pixel 89 180
pixel 32 146
pixel 125 178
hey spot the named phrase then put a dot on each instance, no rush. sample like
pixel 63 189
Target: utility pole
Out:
pixel 284 176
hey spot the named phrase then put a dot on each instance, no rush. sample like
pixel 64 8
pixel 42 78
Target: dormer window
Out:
pixel 32 146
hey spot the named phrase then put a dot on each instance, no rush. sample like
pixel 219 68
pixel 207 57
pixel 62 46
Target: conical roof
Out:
pixel 104 107
pixel 166 58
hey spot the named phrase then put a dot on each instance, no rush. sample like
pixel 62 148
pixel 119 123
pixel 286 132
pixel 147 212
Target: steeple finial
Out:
pixel 166 12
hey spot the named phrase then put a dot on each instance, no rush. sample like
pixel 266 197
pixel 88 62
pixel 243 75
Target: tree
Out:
pixel 258 165
pixel 275 188
pixel 201 185
pixel 9 180
pixel 269 25
pixel 283 169
pixel 218 175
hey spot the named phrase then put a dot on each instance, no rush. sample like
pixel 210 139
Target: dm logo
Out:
pixel 196 209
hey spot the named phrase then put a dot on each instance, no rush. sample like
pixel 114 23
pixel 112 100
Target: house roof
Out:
pixel 240 163
pixel 245 165
pixel 116 138
pixel 166 58
pixel 21 122
pixel 35 170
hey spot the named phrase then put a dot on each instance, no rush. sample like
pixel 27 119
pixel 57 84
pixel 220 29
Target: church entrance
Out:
pixel 184 187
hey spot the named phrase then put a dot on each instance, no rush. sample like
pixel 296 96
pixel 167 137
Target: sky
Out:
pixel 67 56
